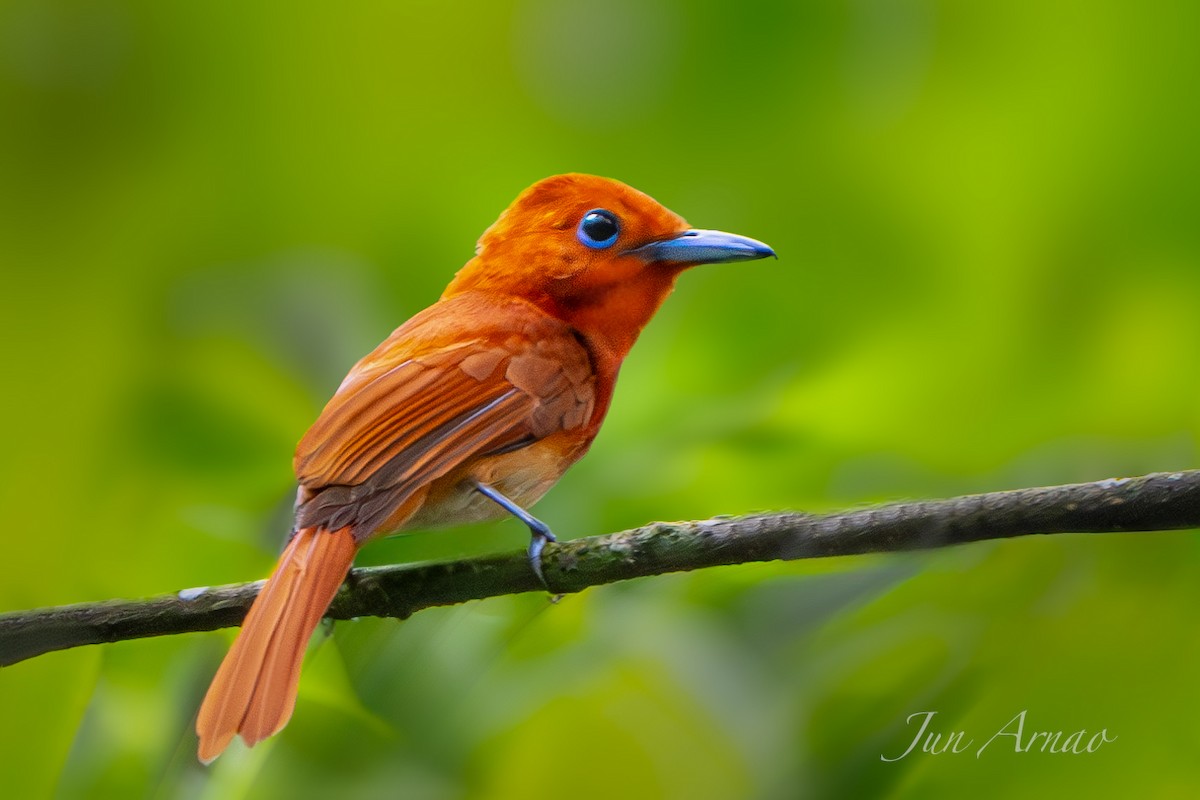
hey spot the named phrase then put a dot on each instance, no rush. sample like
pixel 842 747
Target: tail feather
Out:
pixel 254 690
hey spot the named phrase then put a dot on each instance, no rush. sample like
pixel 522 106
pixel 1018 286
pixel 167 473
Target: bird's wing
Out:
pixel 462 379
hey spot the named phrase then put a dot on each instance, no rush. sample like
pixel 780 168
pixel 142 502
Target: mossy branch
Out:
pixel 1161 501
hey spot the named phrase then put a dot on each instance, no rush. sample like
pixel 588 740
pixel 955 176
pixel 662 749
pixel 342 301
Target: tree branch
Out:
pixel 1161 501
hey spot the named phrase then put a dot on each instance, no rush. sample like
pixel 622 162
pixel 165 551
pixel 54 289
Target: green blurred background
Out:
pixel 989 275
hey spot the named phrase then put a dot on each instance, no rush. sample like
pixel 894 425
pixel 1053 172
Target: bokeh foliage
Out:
pixel 989 277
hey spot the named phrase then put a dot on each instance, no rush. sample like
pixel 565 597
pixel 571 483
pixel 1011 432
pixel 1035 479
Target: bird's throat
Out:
pixel 612 320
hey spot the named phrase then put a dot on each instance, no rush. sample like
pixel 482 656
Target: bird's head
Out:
pixel 595 253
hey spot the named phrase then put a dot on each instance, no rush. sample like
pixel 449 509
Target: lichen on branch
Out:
pixel 1159 501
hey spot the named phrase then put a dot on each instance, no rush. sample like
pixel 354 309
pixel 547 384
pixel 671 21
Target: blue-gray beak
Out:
pixel 703 247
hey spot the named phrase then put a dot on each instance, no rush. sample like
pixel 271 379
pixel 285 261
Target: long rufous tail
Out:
pixel 254 690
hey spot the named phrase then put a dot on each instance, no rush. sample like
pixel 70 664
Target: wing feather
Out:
pixel 429 399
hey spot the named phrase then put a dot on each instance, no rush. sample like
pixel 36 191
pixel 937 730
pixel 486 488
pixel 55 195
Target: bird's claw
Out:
pixel 538 530
pixel 537 542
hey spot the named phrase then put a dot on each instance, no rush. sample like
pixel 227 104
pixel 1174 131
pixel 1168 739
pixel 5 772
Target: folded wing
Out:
pixel 430 398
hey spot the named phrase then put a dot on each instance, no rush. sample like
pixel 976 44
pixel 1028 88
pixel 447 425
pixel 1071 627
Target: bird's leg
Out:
pixel 540 531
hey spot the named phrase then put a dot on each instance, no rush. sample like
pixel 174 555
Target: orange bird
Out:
pixel 468 412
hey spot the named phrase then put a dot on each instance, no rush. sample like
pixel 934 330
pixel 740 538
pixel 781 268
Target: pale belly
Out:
pixel 522 476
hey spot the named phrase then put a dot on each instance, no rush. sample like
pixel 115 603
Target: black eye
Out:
pixel 599 228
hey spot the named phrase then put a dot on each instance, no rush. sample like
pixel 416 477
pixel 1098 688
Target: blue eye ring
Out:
pixel 598 229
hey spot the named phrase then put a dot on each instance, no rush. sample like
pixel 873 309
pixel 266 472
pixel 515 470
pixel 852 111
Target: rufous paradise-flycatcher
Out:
pixel 469 411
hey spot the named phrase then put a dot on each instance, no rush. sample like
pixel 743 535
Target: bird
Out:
pixel 468 412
